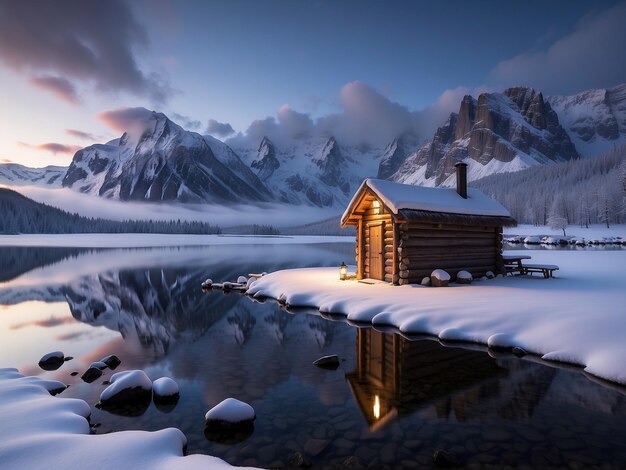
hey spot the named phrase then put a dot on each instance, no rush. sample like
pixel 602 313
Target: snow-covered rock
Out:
pixel 230 411
pixel 425 281
pixel 490 275
pixel 242 280
pixel 464 277
pixel 532 240
pixel 164 389
pixel 439 278
pixel 98 365
pixel 127 387
pixel 52 360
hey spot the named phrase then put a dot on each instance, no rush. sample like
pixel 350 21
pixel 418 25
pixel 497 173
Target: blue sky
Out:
pixel 65 63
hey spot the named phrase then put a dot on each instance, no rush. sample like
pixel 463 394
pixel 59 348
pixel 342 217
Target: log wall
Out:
pixel 425 247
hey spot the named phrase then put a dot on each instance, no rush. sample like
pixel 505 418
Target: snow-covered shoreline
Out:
pixel 146 240
pixel 576 318
pixel 53 432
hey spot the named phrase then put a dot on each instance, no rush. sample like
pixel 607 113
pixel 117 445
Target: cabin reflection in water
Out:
pixel 396 377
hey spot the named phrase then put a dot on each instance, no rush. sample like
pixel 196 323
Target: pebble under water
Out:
pixel 392 402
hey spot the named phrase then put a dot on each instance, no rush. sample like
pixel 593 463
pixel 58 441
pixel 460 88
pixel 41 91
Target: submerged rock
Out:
pixel 327 362
pixel 445 459
pixel 298 460
pixel 52 360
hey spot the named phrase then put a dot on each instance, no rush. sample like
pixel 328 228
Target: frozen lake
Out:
pixel 392 401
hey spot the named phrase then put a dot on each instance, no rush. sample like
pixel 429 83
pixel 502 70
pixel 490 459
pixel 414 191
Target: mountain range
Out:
pixel 160 161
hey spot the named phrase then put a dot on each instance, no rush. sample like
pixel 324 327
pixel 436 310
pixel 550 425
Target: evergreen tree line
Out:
pixel 578 192
pixel 18 214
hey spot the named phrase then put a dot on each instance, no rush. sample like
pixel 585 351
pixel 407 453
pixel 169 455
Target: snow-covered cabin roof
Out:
pixel 399 197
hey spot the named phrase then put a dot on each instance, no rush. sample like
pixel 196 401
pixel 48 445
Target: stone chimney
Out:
pixel 461 179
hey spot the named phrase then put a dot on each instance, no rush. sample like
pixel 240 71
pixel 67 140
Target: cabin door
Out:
pixel 375 254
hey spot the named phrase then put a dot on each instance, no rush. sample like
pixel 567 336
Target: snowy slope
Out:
pixel 595 119
pixel 13 174
pixel 163 162
pixel 316 171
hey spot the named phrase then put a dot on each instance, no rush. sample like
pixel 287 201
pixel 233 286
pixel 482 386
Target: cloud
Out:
pixel 58 86
pixel 296 125
pixel 127 119
pixel 219 129
pixel 53 147
pixel 592 56
pixel 185 121
pixel 90 42
pixel 84 135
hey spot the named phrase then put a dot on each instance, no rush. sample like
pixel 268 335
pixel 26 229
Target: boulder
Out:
pixel 52 360
pixel 242 280
pixel 464 277
pixel 229 422
pixel 132 386
pixel 111 361
pixel 91 374
pixel 425 281
pixel 490 275
pixel 439 278
pixel 165 390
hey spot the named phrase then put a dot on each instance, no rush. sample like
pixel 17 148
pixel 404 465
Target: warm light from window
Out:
pixel 376 407
pixel 376 206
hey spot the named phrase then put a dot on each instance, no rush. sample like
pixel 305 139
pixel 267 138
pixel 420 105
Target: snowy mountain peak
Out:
pixel 265 162
pixel 595 119
pixel 157 160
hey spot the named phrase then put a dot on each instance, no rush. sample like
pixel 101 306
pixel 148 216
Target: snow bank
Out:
pixel 50 432
pixel 577 317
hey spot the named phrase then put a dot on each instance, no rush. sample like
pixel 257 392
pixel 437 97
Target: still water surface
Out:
pixel 391 403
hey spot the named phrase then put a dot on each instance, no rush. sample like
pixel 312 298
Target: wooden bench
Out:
pixel 546 269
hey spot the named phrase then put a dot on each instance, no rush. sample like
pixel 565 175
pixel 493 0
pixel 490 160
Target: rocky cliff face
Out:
pixel 163 163
pixel 498 132
pixel 594 119
pixel 395 154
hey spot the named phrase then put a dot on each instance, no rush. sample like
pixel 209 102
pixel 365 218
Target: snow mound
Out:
pixel 47 432
pixel 165 387
pixel 231 411
pixel 242 280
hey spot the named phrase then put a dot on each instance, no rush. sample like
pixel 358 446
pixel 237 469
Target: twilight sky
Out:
pixel 283 65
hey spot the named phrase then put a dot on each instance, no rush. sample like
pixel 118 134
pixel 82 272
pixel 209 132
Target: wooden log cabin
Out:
pixel 404 232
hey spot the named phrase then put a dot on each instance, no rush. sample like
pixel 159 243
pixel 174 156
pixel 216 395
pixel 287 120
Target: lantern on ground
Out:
pixel 343 272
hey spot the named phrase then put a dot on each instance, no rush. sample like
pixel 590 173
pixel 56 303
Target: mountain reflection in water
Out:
pixel 392 402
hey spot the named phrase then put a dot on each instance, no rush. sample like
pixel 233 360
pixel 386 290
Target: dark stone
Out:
pixel 52 363
pixel 328 362
pixel 314 447
pixel 68 358
pixel 445 459
pixel 74 374
pixel 91 375
pixel 519 352
pixel 56 391
pixel 128 396
pixel 352 462
pixel 111 361
pixel 166 407
pixel 298 460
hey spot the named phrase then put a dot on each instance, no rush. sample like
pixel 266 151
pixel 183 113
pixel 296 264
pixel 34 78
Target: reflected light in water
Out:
pixel 376 407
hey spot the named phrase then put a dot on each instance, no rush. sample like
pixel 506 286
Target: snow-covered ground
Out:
pixel 42 431
pixel 144 240
pixel 594 231
pixel 578 317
